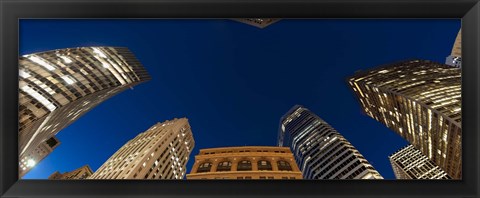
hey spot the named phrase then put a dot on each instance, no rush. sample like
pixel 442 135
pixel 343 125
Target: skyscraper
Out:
pixel 37 155
pixel 57 87
pixel 319 150
pixel 161 152
pixel 246 162
pixel 420 101
pixel 257 22
pixel 455 58
pixel 410 163
pixel 79 173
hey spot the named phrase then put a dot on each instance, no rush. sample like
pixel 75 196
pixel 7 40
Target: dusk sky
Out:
pixel 234 81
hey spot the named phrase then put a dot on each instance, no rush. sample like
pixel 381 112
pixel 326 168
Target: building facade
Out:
pixel 410 163
pixel 420 101
pixel 247 162
pixel 319 150
pixel 38 154
pixel 257 22
pixel 79 173
pixel 455 58
pixel 57 87
pixel 161 152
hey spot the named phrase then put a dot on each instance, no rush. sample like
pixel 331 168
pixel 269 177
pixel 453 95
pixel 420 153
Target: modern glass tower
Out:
pixel 161 152
pixel 57 87
pixel 421 101
pixel 319 150
pixel 455 58
pixel 410 163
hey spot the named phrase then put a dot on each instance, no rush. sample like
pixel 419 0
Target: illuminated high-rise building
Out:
pixel 257 22
pixel 79 173
pixel 161 152
pixel 410 163
pixel 455 58
pixel 420 101
pixel 246 162
pixel 37 155
pixel 319 150
pixel 57 87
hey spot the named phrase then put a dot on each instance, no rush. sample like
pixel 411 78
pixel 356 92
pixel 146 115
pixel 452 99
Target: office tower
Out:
pixel 79 173
pixel 38 154
pixel 420 101
pixel 161 152
pixel 320 151
pixel 257 22
pixel 57 87
pixel 455 58
pixel 410 163
pixel 246 162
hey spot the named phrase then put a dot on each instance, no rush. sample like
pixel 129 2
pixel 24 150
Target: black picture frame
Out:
pixel 13 10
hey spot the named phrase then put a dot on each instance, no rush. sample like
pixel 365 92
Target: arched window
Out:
pixel 283 166
pixel 224 166
pixel 205 167
pixel 264 165
pixel 244 165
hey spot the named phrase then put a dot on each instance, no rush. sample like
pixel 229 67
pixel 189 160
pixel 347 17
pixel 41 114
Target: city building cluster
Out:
pixel 419 100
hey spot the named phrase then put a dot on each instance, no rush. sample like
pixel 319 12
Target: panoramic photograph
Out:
pixel 250 98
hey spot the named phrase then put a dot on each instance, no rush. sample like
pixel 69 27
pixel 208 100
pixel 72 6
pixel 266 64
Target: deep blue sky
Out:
pixel 234 81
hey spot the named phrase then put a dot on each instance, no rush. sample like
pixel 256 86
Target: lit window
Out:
pixel 383 71
pixel 23 73
pixel 66 60
pixel 68 79
pixel 99 52
pixel 31 163
pixel 42 62
pixel 39 97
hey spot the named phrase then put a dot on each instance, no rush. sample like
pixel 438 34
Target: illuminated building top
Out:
pixel 320 151
pixel 455 58
pixel 257 22
pixel 161 152
pixel 57 87
pixel 245 162
pixel 421 101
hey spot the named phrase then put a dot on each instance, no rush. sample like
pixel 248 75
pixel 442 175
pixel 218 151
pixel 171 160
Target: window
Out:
pixel 283 166
pixel 224 166
pixel 205 167
pixel 244 165
pixel 264 165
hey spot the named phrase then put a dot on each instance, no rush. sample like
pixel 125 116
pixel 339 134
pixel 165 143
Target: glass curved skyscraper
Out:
pixel 320 151
pixel 57 87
